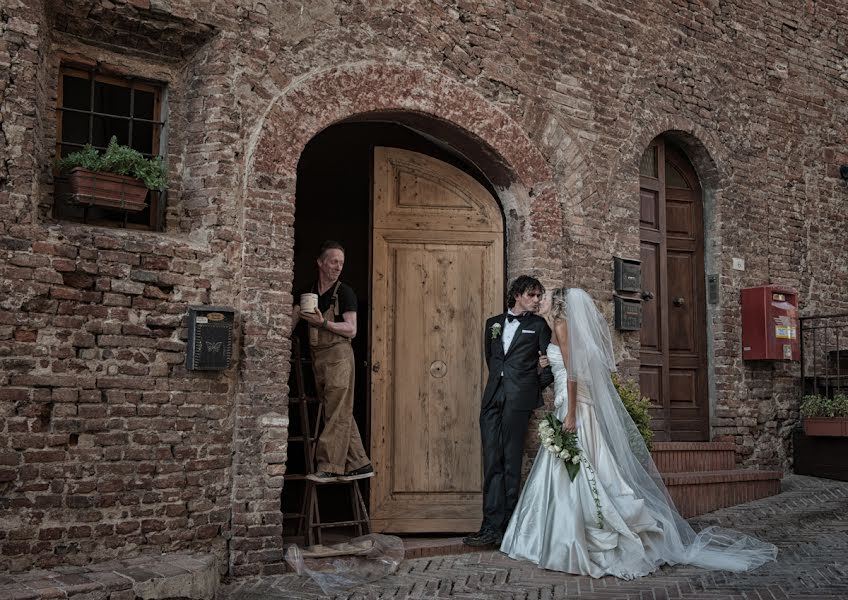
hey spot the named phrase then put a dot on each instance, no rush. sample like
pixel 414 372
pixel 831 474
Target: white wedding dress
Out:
pixel 556 524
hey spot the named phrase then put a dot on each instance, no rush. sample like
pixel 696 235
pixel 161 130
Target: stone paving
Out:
pixel 808 521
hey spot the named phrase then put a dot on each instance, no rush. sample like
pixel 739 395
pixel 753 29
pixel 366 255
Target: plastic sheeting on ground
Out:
pixel 339 567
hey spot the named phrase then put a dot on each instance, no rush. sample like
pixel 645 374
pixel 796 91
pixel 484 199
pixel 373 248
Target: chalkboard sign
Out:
pixel 210 338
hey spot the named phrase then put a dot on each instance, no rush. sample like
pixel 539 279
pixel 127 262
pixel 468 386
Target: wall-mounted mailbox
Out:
pixel 210 338
pixel 770 323
pixel 628 314
pixel 627 275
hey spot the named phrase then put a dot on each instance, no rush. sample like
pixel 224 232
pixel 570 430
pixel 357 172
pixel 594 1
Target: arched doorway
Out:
pixel 423 234
pixel 673 355
pixel 424 99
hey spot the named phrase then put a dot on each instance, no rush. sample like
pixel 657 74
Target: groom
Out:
pixel 512 344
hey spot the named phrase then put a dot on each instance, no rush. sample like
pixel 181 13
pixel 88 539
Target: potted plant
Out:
pixel 637 407
pixel 119 178
pixel 825 416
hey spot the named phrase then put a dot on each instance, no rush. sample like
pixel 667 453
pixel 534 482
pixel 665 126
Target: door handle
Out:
pixel 646 295
pixel 679 301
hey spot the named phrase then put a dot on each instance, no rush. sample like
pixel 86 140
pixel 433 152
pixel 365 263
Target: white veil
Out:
pixel 590 360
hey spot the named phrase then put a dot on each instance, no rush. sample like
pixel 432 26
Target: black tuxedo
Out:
pixel 522 382
pixel 513 390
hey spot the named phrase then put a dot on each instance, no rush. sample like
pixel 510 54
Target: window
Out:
pixel 94 106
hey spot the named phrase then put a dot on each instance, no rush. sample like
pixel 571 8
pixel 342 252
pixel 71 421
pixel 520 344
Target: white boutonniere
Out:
pixel 496 331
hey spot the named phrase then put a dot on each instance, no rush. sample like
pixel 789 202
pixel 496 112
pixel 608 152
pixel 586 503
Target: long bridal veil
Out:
pixel 590 360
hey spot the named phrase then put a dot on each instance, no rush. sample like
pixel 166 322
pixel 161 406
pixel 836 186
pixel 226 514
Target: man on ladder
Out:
pixel 340 454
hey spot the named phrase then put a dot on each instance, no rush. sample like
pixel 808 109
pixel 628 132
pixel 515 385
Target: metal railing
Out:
pixel 824 354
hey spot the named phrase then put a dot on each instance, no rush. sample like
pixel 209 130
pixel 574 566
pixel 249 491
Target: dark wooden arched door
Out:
pixel 673 353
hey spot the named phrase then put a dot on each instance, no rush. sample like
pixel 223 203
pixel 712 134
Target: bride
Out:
pixel 616 517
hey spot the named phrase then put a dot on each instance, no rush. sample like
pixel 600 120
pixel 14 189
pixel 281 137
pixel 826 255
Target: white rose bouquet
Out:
pixel 564 446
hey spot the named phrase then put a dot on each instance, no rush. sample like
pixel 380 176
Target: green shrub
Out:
pixel 637 407
pixel 821 406
pixel 121 160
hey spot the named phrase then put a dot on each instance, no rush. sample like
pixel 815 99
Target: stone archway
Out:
pixel 440 106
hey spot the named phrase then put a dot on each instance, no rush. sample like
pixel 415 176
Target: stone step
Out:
pixel 684 457
pixel 698 492
pixel 153 576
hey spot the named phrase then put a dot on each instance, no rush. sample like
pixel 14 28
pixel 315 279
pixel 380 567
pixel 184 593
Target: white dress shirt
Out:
pixel 509 331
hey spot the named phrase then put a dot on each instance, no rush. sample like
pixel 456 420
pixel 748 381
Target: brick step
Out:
pixel 698 492
pixel 423 547
pixel 684 457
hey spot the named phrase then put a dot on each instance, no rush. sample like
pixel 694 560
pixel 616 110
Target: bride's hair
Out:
pixel 558 304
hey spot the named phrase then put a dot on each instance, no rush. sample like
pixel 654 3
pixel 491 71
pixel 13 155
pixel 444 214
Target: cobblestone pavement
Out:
pixel 808 521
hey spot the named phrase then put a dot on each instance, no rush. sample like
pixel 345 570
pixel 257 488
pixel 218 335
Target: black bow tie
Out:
pixel 511 317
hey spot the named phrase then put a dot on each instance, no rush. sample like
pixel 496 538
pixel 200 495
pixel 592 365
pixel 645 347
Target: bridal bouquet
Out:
pixel 562 444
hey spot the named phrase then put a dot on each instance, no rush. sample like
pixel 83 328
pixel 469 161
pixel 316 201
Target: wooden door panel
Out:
pixel 425 407
pixel 407 278
pixel 682 387
pixel 433 285
pixel 649 212
pixel 651 335
pixel 681 302
pixel 412 192
pixel 454 364
pixel 673 336
pixel 679 219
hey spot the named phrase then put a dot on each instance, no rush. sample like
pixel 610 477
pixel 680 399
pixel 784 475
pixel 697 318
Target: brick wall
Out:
pixel 108 445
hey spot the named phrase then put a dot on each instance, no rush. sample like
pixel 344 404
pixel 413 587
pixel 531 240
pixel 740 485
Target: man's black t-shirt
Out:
pixel 347 298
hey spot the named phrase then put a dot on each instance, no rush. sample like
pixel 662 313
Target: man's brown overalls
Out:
pixel 340 447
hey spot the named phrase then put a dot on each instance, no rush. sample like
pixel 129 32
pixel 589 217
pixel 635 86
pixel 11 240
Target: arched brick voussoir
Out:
pixel 702 146
pixel 316 101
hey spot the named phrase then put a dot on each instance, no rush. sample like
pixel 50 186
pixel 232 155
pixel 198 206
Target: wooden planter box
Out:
pixel 820 456
pixel 817 426
pixel 108 190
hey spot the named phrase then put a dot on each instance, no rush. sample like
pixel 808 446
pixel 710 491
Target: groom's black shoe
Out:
pixel 484 537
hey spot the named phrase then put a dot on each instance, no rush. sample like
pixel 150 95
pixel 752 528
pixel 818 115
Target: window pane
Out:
pixel 142 137
pixel 143 105
pixel 74 128
pixel 648 165
pixel 106 127
pixel 674 178
pixel 76 92
pixel 111 99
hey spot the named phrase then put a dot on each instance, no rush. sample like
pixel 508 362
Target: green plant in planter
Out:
pixel 637 406
pixel 118 159
pixel 815 406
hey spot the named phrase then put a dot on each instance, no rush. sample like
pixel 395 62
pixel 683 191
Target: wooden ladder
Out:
pixel 309 523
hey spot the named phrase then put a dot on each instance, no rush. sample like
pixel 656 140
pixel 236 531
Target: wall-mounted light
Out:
pixel 843 172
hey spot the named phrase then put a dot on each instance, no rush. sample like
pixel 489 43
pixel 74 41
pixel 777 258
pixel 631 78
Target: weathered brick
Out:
pixel 551 110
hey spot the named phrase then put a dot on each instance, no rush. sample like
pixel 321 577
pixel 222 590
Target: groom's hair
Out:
pixel 521 284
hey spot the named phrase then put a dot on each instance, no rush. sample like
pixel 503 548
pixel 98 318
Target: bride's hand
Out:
pixel 543 361
pixel 570 423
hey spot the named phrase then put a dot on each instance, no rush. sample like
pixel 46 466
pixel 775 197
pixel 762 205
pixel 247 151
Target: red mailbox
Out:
pixel 770 323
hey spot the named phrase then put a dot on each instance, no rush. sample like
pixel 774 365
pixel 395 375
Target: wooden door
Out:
pixel 673 338
pixel 437 275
